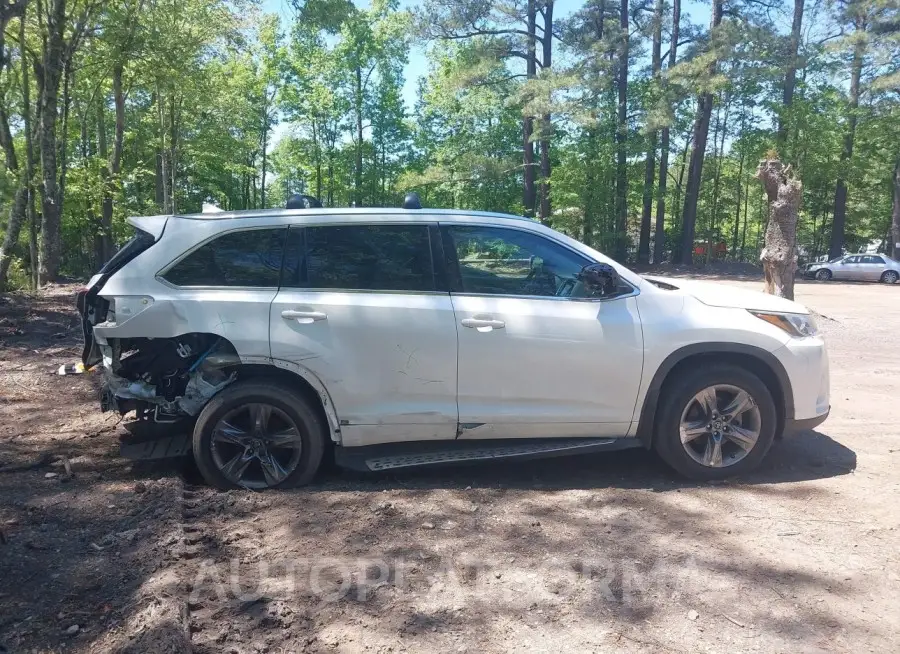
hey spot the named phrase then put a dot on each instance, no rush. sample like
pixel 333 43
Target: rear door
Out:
pixel 361 307
pixel 871 268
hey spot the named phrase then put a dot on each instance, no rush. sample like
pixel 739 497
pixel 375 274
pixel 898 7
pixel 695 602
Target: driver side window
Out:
pixel 501 261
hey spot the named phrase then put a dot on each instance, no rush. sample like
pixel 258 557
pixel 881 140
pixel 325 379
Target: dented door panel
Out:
pixel 387 359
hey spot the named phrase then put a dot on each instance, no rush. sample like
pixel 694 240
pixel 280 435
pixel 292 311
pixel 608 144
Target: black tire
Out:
pixel 680 391
pixel 309 424
pixel 890 277
pixel 823 275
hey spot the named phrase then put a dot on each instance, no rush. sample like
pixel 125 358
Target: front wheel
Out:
pixel 715 422
pixel 258 435
pixel 823 275
pixel 890 276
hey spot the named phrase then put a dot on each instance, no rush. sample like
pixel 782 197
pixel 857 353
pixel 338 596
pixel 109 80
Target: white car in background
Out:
pixel 407 337
pixel 856 267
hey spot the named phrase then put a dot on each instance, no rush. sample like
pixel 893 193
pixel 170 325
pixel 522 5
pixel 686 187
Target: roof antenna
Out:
pixel 298 201
pixel 411 201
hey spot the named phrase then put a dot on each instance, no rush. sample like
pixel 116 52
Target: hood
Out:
pixel 723 295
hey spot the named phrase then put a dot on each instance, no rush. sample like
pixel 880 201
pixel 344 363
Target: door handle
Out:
pixel 303 317
pixel 483 324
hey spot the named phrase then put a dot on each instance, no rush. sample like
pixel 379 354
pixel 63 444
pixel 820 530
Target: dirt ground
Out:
pixel 592 554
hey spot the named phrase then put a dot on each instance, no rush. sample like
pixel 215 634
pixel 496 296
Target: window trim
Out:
pixel 452 262
pixel 160 274
pixel 438 270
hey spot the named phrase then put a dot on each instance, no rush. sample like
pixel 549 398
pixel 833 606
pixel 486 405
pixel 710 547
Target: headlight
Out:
pixel 799 325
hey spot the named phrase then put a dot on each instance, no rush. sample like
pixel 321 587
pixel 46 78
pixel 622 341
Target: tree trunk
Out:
pixel 317 153
pixel 357 179
pixel 115 163
pixel 840 193
pixel 18 206
pixel 694 177
pixel 529 192
pixel 746 218
pixel 650 167
pixel 49 76
pixel 698 151
pixel 895 216
pixel 590 204
pixel 546 125
pixel 29 130
pixel 16 219
pixel 779 256
pixel 737 213
pixel 660 232
pixel 621 137
pixel 164 161
pixel 103 237
pixel 719 154
pixel 790 76
pixel 265 145
pixel 173 149
pixel 63 143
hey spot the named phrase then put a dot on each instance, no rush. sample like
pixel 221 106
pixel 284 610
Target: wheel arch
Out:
pixel 299 379
pixel 758 361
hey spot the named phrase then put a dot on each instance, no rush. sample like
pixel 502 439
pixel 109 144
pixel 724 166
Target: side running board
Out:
pixel 394 456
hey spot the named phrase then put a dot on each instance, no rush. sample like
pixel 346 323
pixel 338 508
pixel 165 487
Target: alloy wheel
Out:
pixel 256 445
pixel 890 277
pixel 720 425
pixel 823 275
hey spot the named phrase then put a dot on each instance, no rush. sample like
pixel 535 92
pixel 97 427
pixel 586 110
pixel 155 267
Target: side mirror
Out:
pixel 599 279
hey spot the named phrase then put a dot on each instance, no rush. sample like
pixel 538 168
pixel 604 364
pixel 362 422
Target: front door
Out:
pixel 359 308
pixel 847 268
pixel 536 357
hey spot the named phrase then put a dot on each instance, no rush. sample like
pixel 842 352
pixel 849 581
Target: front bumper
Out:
pixel 805 361
pixel 794 425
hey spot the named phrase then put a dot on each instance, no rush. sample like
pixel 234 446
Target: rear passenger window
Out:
pixel 361 257
pixel 246 258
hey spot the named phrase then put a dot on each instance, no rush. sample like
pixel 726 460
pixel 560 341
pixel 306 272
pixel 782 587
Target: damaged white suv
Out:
pixel 406 337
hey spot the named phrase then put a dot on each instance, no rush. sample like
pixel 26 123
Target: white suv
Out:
pixel 403 337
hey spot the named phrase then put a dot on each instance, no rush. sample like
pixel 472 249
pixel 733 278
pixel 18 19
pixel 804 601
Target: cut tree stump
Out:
pixel 779 255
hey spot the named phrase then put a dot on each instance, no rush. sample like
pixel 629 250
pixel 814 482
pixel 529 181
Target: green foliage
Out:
pixel 225 104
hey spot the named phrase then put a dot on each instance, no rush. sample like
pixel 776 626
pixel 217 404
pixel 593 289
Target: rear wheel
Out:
pixel 890 276
pixel 823 275
pixel 715 422
pixel 258 435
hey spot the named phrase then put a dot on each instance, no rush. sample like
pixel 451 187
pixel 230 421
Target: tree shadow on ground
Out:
pixel 804 456
pixel 579 548
pixel 77 549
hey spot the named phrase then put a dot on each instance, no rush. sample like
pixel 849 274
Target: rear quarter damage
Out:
pixel 165 378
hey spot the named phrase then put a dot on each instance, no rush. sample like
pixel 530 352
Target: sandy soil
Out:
pixel 567 555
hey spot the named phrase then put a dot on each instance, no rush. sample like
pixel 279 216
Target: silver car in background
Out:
pixel 856 267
